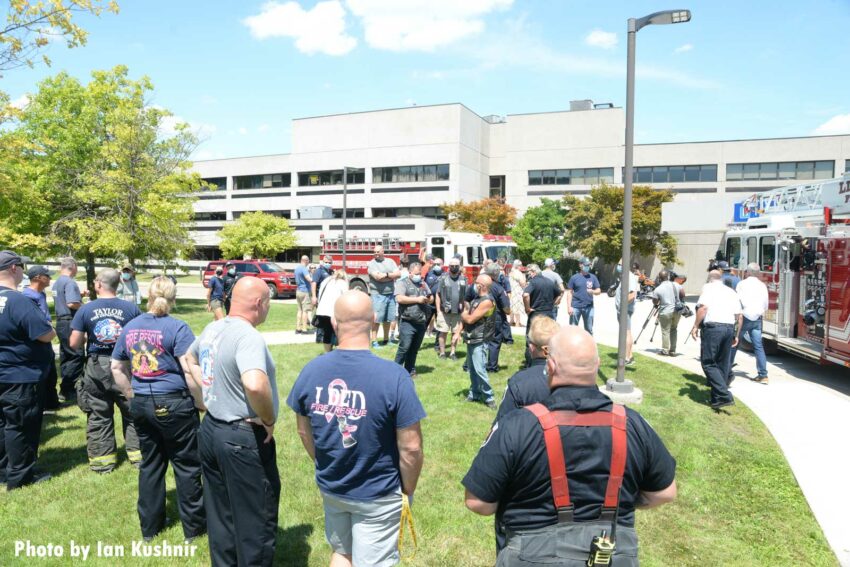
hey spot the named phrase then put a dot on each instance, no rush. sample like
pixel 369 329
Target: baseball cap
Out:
pixel 548 262
pixel 9 259
pixel 36 271
pixel 723 265
pixel 585 261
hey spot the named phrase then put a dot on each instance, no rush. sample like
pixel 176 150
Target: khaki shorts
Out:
pixel 216 304
pixel 304 300
pixel 447 322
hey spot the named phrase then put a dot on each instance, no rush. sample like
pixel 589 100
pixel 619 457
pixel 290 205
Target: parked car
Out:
pixel 281 283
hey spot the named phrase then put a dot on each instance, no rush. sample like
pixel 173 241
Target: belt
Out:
pixel 175 395
pixel 63 317
pixel 241 423
pixel 710 325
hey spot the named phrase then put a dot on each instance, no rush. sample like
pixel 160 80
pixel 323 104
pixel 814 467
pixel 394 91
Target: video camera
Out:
pixel 714 263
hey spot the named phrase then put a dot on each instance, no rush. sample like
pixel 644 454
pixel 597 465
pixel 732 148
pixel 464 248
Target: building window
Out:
pixel 589 176
pixel 330 177
pixel 674 173
pixel 208 253
pixel 266 181
pixel 220 183
pixel 352 213
pixel 427 212
pixel 284 213
pixel 497 186
pixel 771 171
pixel 847 165
pixel 214 216
pixel 410 173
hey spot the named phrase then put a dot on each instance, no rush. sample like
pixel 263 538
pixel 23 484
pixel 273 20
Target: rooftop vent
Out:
pixel 601 105
pixel 494 119
pixel 586 104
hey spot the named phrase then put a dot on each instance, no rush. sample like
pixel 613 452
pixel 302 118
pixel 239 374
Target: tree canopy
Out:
pixel 488 216
pixel 257 234
pixel 540 233
pixel 594 225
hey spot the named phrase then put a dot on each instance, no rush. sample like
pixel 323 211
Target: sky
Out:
pixel 239 71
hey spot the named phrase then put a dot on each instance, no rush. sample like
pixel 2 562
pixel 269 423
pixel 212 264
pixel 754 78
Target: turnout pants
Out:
pixel 97 396
pixel 20 429
pixel 241 492
pixel 567 545
pixel 410 337
pixel 172 437
pixel 715 358
pixel 71 361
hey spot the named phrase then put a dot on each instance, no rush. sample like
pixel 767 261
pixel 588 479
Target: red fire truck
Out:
pixel 474 248
pixel 800 236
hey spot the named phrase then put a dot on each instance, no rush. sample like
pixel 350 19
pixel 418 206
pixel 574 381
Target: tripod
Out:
pixel 652 313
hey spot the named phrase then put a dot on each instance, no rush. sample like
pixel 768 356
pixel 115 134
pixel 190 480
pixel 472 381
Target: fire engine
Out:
pixel 473 247
pixel 800 237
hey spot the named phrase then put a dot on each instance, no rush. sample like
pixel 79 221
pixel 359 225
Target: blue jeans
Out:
pixel 752 331
pixel 476 359
pixel 585 313
pixel 385 308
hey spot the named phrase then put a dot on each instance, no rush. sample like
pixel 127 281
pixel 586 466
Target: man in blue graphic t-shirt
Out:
pixel 99 324
pixel 580 291
pixel 358 418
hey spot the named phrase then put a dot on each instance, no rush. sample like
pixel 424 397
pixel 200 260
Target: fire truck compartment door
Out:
pixel 787 298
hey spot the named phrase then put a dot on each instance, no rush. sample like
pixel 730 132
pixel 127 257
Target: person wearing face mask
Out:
pixel 450 294
pixel 413 297
pixel 432 279
pixel 215 294
pixel 479 325
pixel 228 282
pixel 25 354
pixel 580 291
pixel 128 289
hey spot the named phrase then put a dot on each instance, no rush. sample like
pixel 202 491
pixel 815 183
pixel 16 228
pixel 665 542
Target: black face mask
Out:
pixel 454 269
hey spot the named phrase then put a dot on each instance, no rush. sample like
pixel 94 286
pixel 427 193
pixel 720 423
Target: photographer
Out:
pixel 670 297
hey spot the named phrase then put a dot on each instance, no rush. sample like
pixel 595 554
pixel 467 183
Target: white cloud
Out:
pixel 243 131
pixel 263 128
pixel 168 125
pixel 421 25
pixel 21 102
pixel 684 48
pixel 838 124
pixel 318 30
pixel 603 39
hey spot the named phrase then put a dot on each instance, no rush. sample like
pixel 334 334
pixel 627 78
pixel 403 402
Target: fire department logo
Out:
pixel 107 331
pixel 342 404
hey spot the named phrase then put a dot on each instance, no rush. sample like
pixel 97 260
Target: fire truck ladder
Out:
pixel 792 199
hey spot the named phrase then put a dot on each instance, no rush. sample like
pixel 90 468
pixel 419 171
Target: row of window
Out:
pixel 398 212
pixel 330 177
pixel 588 176
pixel 262 181
pixel 410 173
pixel 353 213
pixel 675 173
pixel 780 170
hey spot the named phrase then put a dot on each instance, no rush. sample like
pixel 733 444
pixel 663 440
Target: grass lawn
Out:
pixel 738 501
pixel 194 312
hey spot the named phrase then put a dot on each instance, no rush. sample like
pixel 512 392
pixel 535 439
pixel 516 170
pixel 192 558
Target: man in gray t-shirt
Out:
pixel 67 299
pixel 234 368
pixel 667 294
pixel 383 272
pixel 550 274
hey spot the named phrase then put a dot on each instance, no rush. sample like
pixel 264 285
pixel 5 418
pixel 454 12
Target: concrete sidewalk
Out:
pixel 806 407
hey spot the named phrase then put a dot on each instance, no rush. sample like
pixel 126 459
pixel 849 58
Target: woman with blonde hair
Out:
pixel 331 290
pixel 150 367
pixel 518 283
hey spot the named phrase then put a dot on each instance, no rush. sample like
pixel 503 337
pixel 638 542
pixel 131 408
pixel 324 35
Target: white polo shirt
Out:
pixel 721 302
pixel 753 295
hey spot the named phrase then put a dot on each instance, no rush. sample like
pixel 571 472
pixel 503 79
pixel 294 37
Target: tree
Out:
pixel 257 234
pixel 539 234
pixel 31 26
pixel 488 216
pixel 101 177
pixel 595 224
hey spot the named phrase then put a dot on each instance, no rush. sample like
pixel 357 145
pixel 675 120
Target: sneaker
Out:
pixel 470 400
pixel 664 352
pixel 376 344
pixel 413 375
pixel 630 361
pixel 721 405
pixel 490 404
pixel 672 353
pixel 761 380
pixel 394 339
pixel 441 356
pixel 298 331
pixel 453 356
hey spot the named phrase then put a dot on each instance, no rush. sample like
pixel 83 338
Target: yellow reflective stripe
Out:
pixel 134 456
pixel 104 460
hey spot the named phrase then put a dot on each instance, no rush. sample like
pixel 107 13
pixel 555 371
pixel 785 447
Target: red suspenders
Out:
pixel 550 421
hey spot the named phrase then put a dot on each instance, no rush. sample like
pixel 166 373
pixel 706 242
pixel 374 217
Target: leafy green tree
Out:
pixel 31 26
pixel 539 234
pixel 594 224
pixel 488 216
pixel 257 234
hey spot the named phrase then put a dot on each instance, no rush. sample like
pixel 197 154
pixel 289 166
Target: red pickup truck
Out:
pixel 281 283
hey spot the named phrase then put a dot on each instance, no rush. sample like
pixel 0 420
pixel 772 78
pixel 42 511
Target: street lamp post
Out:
pixel 344 212
pixel 620 384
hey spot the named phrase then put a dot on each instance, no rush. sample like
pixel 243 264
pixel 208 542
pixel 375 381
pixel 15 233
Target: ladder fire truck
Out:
pixel 800 237
pixel 473 247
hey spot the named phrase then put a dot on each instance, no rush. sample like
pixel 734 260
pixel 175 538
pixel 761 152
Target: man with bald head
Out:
pixel 383 272
pixel 479 326
pixel 236 438
pixel 606 462
pixel 358 417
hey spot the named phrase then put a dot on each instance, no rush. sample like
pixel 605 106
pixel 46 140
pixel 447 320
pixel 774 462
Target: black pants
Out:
pixel 241 492
pixel 716 347
pixel 20 429
pixel 169 438
pixel 71 361
pixel 49 396
pixel 531 317
pixel 410 337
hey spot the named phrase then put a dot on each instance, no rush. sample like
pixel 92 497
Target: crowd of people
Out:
pixel 209 405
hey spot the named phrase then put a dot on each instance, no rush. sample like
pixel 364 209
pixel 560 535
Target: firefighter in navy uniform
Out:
pixel 564 477
pixel 229 280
